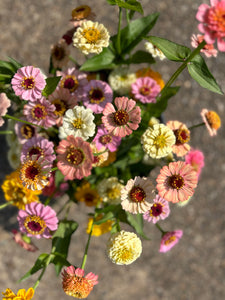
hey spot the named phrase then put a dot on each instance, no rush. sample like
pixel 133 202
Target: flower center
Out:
pixel 96 95
pixel 34 225
pixel 160 141
pixel 89 198
pixel 28 83
pixel 27 131
pixel 213 119
pixel 77 123
pixel 176 182
pixel 81 12
pixel 182 136
pixel 58 52
pixel 156 209
pixel 105 139
pixel 92 35
pixel 137 194
pixel 217 18
pixel 170 240
pixel 31 172
pixel 39 112
pixel 36 151
pixel 75 156
pixel 70 82
pixel 145 90
pixel 113 193
pixel 121 117
pixel 60 107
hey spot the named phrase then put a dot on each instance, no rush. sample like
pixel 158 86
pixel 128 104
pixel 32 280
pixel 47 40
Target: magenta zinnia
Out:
pixel 122 120
pixel 37 220
pixel 28 83
pixel 176 182
pixel 169 240
pixel 159 210
pixel 75 158
pixel 77 285
pixel 145 89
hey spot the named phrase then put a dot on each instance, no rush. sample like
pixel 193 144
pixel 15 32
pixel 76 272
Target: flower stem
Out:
pixel 5 204
pixel 195 126
pixel 160 229
pixel 6 132
pixel 22 121
pixel 87 245
pixel 118 46
pixel 43 271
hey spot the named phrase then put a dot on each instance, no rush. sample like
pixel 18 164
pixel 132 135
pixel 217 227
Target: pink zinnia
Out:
pixel 108 140
pixel 38 146
pixel 37 220
pixel 24 131
pixel 40 112
pixel 159 210
pixel 182 134
pixel 122 120
pixel 96 94
pixel 4 105
pixel 28 83
pixel 195 158
pixel 19 238
pixel 176 182
pixel 208 49
pixel 77 285
pixel 74 157
pixel 212 23
pixel 169 240
pixel 145 89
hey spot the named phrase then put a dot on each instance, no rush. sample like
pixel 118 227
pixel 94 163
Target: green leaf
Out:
pixel 106 217
pixel 104 60
pixel 59 261
pixel 133 5
pixel 140 57
pixel 170 49
pixel 199 71
pixel 136 221
pixel 132 34
pixel 51 84
pixel 39 264
pixel 15 63
pixel 111 2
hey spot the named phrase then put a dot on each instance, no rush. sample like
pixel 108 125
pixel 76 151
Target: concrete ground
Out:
pixel 194 269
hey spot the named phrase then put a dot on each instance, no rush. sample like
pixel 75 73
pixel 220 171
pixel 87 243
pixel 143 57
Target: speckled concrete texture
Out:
pixel 194 269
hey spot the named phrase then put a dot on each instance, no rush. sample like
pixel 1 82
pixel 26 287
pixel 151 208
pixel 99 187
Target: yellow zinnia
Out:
pixel 22 294
pixel 100 229
pixel 85 193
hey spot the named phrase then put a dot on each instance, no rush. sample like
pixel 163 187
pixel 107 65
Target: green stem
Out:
pixel 195 126
pixel 5 204
pixel 87 245
pixel 22 121
pixel 42 272
pixel 127 17
pixel 160 229
pixel 6 132
pixel 73 60
pixel 118 46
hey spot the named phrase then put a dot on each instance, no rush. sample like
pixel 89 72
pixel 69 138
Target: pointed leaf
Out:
pixel 140 57
pixel 199 71
pixel 51 84
pixel 170 49
pixel 136 221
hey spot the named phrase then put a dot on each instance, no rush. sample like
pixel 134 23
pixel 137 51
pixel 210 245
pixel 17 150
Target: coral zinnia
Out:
pixel 77 285
pixel 122 120
pixel 176 182
pixel 75 158
pixel 37 220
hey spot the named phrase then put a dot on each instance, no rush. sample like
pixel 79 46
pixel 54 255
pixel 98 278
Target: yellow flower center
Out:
pixel 60 107
pixel 77 123
pixel 27 131
pixel 92 35
pixel 34 225
pixel 145 90
pixel 28 83
pixel 182 136
pixel 113 193
pixel 170 240
pixel 160 141
pixel 213 119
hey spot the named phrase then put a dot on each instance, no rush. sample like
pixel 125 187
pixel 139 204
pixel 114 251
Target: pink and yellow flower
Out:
pixel 208 49
pixel 145 89
pixel 176 182
pixel 159 210
pixel 105 139
pixel 122 120
pixel 169 240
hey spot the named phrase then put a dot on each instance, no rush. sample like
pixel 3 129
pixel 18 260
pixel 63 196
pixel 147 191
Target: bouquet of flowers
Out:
pixel 94 132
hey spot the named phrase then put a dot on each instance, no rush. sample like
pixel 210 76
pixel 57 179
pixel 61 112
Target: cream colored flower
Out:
pixel 91 37
pixel 157 141
pixel 124 247
pixel 154 51
pixel 121 80
pixel 109 190
pixel 13 154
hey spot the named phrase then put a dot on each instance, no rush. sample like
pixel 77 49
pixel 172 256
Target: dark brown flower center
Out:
pixel 35 151
pixel 58 52
pixel 96 95
pixel 27 131
pixel 75 156
pixel 70 82
pixel 28 83
pixel 137 194
pixel 39 112
pixel 156 209
pixel 121 117
pixel 176 182
pixel 60 107
pixel 31 172
pixel 105 139
pixel 34 225
pixel 182 136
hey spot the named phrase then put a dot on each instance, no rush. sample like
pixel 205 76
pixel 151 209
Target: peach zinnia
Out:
pixel 176 182
pixel 211 120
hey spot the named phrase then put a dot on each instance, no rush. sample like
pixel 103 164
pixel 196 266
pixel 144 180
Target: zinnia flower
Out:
pixel 176 182
pixel 212 22
pixel 148 72
pixel 99 229
pixel 24 131
pixel 182 135
pixel 80 14
pixel 195 158
pixel 60 54
pixel 208 49
pixel 100 156
pixel 74 157
pixel 109 190
pixel 85 193
pixel 122 120
pixel 124 247
pixel 91 37
pixel 22 240
pixel 159 210
pixel 37 220
pixel 136 194
pixel 145 89
pixel 22 294
pixel 157 141
pixel 28 83
pixel 15 191
pixel 40 112
pixel 105 139
pixel 96 94
pixel 169 240
pixel 77 285
pixel 154 51
pixel 211 120
pixel 121 80
pixel 4 105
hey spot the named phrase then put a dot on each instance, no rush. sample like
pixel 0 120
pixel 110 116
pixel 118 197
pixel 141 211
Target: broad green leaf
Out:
pixel 133 5
pixel 132 34
pixel 106 217
pixel 15 63
pixel 136 221
pixel 140 57
pixel 170 49
pixel 51 84
pixel 111 2
pixel 59 261
pixel 199 71
pixel 101 61
pixel 39 264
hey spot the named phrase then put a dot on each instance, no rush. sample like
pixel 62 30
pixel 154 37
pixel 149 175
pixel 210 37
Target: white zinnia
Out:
pixel 109 190
pixel 78 122
pixel 91 37
pixel 121 80
pixel 155 52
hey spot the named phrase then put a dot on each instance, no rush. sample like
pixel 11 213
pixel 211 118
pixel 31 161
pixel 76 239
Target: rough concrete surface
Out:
pixel 195 268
